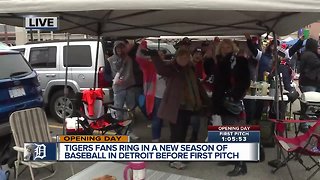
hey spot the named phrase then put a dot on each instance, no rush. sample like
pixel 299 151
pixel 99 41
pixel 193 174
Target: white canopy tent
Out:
pixel 163 18
pixel 145 18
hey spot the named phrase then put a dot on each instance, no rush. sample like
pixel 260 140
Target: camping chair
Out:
pixel 304 144
pixel 30 125
pixel 92 114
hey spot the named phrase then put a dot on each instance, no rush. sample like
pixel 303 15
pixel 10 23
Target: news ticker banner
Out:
pixel 226 143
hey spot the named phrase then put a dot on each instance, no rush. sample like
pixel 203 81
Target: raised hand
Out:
pixel 247 35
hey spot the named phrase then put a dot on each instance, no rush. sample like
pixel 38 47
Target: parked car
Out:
pixel 49 60
pixel 19 87
pixel 168 48
pixel 4 46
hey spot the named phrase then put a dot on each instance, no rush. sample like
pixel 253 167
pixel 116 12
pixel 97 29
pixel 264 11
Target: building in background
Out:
pixel 24 36
pixel 314 30
pixel 7 34
pixel 18 35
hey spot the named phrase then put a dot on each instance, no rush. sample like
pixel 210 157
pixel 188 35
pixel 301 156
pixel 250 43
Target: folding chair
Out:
pixel 95 116
pixel 304 144
pixel 30 125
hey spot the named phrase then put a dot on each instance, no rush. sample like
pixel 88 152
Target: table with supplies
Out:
pixel 254 102
pixel 265 98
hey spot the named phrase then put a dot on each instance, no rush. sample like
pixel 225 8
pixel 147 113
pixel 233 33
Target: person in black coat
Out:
pixel 232 80
pixel 309 79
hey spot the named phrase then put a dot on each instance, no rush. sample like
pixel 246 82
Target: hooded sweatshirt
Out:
pixel 121 69
pixel 310 65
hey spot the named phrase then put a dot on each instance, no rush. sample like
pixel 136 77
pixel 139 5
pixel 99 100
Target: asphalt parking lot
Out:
pixel 203 170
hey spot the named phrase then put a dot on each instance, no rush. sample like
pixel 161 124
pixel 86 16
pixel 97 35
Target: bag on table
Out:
pixel 234 107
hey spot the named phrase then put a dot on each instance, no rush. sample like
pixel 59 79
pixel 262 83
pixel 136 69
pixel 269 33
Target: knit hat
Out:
pixel 281 51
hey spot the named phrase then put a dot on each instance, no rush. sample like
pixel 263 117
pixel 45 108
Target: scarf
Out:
pixel 191 100
pixel 149 77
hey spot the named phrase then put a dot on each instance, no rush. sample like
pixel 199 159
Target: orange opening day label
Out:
pixel 91 138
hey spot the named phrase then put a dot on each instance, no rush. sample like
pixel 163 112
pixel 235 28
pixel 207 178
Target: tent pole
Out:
pixel 276 162
pixel 96 63
pixel 275 58
pixel 65 90
pixel 97 56
pixel 276 97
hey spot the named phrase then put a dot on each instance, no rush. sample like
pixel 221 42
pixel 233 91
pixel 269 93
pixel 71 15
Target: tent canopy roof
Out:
pixel 167 18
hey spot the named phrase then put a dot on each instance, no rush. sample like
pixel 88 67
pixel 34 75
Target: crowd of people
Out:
pixel 197 83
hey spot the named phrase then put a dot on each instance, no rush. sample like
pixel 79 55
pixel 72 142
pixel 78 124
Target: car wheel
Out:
pixel 57 106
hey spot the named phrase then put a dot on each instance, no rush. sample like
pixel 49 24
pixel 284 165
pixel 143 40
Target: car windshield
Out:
pixel 3 46
pixel 13 65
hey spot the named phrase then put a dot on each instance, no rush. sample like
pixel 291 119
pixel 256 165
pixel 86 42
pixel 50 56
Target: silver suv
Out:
pixel 48 59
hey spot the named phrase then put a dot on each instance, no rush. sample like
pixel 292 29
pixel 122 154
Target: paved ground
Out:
pixel 204 170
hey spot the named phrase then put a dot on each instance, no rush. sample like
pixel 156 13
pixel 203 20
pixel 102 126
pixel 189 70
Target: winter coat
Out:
pixel 122 66
pixel 175 78
pixel 310 65
pixel 230 82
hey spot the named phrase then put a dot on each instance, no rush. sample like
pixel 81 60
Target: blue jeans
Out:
pixel 156 121
pixel 124 97
pixel 137 91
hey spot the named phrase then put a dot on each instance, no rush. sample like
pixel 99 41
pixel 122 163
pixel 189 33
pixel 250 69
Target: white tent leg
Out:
pixel 16 165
